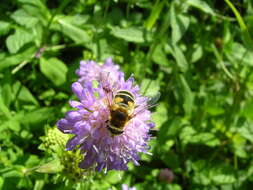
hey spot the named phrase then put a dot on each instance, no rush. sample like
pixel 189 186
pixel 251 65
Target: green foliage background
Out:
pixel 197 53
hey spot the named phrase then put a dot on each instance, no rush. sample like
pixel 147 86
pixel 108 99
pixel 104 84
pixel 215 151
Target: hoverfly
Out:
pixel 122 110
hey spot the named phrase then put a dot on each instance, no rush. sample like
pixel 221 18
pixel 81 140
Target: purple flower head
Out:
pixel 89 121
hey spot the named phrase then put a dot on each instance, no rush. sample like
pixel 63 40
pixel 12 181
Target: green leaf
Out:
pixel 213 173
pixel 170 129
pixel 179 56
pixel 247 131
pixel 6 90
pixel 159 56
pixel 65 25
pixel 39 184
pixel 238 54
pixel 202 5
pixel 156 10
pixel 32 2
pixel 4 27
pixel 179 24
pixel 149 87
pixel 77 20
pixel 174 187
pixel 205 138
pixel 24 19
pixel 50 167
pixel 136 35
pixel 37 9
pixel 247 111
pixel 17 40
pixel 247 39
pixel 160 116
pixel 239 143
pixel 171 160
pixel 223 174
pixel 187 134
pixel 32 160
pixel 190 135
pixel 214 110
pixel 4 109
pixel 24 56
pixel 1 182
pixel 187 95
pixel 197 53
pixel 13 124
pixel 24 94
pixel 12 172
pixel 54 69
pixel 38 116
pixel 113 177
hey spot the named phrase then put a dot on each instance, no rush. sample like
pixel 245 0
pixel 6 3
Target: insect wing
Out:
pixel 152 102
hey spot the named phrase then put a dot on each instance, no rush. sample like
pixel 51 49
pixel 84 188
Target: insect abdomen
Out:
pixel 114 131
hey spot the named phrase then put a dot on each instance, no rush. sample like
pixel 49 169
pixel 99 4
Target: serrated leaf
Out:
pixel 54 69
pixel 129 34
pixel 17 40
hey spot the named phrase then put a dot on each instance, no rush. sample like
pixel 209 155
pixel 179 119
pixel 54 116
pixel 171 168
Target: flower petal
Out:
pixel 77 89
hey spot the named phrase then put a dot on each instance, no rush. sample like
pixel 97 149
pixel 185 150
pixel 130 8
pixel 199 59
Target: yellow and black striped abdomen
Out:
pixel 124 98
pixel 120 112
